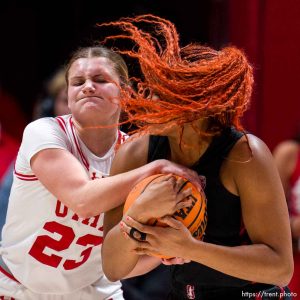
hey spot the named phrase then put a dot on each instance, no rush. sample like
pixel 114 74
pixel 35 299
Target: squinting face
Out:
pixel 93 93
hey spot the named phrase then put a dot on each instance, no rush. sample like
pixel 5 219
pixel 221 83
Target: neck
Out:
pixel 97 140
pixel 188 145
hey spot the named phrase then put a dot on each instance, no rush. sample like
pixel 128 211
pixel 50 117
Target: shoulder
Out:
pixel 247 148
pixel 133 153
pixel 250 169
pixel 249 157
pixel 134 145
pixel 40 124
pixel 286 149
pixel 42 134
pixel 286 156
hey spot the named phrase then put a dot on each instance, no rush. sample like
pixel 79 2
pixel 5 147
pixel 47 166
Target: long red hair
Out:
pixel 189 83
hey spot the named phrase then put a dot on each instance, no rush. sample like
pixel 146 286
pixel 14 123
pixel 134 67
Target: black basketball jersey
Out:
pixel 224 219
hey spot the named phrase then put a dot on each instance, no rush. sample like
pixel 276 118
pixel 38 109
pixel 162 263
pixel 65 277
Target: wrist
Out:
pixel 151 168
pixel 138 214
pixel 158 166
pixel 192 249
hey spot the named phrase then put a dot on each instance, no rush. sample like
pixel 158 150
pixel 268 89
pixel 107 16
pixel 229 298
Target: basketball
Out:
pixel 193 217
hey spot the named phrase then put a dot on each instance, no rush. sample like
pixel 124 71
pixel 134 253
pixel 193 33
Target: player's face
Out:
pixel 93 92
pixel 189 130
pixel 165 129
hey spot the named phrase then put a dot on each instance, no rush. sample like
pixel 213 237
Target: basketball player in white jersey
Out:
pixel 51 247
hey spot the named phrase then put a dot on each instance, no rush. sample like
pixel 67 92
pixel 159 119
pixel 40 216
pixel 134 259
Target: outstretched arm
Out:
pixel 73 187
pixel 86 197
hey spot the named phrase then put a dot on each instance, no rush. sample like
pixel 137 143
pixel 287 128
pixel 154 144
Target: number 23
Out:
pixel 67 237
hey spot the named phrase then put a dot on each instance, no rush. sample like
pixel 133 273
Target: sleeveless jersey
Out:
pixel 46 246
pixel 224 219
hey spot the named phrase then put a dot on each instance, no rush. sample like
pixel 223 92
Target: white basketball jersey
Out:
pixel 46 246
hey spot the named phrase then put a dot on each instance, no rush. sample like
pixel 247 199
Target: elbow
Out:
pixel 109 272
pixel 83 211
pixel 285 273
pixel 83 208
pixel 111 277
pixel 110 268
pixel 84 203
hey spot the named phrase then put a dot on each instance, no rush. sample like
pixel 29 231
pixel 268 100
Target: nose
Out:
pixel 88 87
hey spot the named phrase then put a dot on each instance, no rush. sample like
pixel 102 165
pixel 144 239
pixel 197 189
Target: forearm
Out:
pixel 118 259
pixel 144 265
pixel 98 196
pixel 257 262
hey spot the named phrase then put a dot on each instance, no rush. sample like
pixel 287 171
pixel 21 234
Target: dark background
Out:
pixel 39 37
pixel 36 38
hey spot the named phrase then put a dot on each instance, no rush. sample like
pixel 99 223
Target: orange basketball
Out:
pixel 194 217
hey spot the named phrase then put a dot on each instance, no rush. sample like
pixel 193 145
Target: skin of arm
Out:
pixel 117 252
pixel 269 259
pixel 286 155
pixel 72 186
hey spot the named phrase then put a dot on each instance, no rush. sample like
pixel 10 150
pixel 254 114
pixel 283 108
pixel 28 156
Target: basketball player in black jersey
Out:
pixel 195 121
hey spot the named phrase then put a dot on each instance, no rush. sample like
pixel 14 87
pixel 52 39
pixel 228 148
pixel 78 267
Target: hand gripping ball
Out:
pixel 193 217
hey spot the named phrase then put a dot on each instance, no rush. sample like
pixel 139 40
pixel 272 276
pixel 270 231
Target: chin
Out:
pixel 168 129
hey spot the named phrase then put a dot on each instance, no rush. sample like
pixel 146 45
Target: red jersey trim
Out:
pixel 25 177
pixel 10 276
pixel 83 158
pixel 62 124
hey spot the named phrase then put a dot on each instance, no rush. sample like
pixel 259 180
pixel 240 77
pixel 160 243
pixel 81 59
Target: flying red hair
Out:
pixel 192 82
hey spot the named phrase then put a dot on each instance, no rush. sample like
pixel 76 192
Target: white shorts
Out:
pixel 12 290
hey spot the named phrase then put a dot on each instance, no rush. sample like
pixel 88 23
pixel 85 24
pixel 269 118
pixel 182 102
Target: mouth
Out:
pixel 91 99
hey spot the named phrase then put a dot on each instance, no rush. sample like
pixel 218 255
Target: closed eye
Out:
pixel 77 83
pixel 100 79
